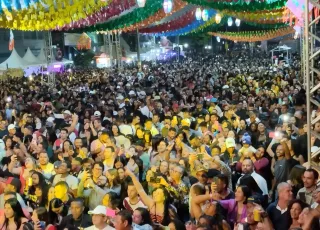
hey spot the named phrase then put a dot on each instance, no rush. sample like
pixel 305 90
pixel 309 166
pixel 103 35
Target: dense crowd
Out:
pixel 210 143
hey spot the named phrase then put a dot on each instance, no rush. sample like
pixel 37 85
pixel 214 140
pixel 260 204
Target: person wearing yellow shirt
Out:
pixel 46 167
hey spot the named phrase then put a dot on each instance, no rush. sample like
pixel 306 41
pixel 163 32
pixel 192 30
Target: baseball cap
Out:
pixel 97 114
pixel 127 99
pixel 99 210
pixel 254 199
pixel 214 100
pixel 67 112
pixel 11 126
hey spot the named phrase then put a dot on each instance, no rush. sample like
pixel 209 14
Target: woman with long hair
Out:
pixel 113 184
pixel 67 151
pixel 14 217
pixel 236 208
pixel 111 200
pixel 158 203
pixel 295 208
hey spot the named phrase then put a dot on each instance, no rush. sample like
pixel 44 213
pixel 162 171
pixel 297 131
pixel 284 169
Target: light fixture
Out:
pixel 205 15
pixel 237 22
pixel 218 39
pixel 209 47
pixel 198 14
pixel 141 3
pixel 230 21
pixel 186 45
pixel 167 6
pixel 218 18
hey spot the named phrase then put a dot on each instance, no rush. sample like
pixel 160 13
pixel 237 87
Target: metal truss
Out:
pixel 48 51
pixel 108 46
pixel 118 48
pixel 311 70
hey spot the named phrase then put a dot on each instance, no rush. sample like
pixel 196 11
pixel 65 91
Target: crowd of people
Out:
pixel 209 143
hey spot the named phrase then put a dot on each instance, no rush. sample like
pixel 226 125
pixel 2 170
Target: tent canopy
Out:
pixel 30 58
pixel 280 48
pixel 14 61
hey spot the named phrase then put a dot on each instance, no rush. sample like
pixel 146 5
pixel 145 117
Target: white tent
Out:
pixel 41 56
pixel 30 58
pixel 14 61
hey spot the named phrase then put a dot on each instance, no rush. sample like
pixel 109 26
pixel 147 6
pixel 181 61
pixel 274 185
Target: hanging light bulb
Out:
pixel 141 3
pixel 218 18
pixel 237 22
pixel 198 14
pixel 205 15
pixel 167 6
pixel 230 21
pixel 218 39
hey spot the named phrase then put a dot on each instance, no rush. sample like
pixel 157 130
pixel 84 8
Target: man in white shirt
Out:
pixel 99 218
pixel 63 175
pixel 248 169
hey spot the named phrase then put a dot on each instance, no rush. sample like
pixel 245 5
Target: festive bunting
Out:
pixel 187 29
pixel 178 5
pixel 180 22
pixel 262 16
pixel 47 14
pixel 210 25
pixel 137 15
pixel 253 36
pixel 115 8
pixel 240 5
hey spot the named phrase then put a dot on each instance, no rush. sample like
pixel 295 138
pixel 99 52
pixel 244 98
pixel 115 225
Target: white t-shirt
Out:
pixel 72 181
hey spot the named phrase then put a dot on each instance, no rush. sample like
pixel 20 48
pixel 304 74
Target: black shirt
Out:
pixel 279 220
pixel 69 223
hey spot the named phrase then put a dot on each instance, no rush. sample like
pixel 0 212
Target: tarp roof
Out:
pixel 14 61
pixel 30 58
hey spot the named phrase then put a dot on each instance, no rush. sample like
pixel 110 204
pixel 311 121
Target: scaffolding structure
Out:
pixel 117 45
pixel 108 46
pixel 111 42
pixel 50 80
pixel 310 54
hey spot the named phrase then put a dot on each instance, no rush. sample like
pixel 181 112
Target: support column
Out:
pixel 311 70
pixel 118 49
pixel 48 51
pixel 138 50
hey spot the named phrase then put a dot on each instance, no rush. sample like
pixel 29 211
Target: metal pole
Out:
pixel 178 41
pixel 307 76
pixel 138 50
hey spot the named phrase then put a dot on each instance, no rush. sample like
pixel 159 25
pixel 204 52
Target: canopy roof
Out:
pixel 14 61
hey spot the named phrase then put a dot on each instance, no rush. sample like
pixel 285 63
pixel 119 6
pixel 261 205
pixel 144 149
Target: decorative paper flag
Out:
pixel 11 42
pixel 297 8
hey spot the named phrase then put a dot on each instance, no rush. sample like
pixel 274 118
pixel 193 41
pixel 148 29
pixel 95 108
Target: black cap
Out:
pixel 255 199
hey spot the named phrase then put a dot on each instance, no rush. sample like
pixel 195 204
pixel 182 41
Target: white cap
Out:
pixel 132 92
pixel 11 126
pixel 97 114
pixel 67 112
pixel 120 97
pixel 99 210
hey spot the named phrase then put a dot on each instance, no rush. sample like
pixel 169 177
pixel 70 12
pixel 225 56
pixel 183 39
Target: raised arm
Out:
pixel 147 200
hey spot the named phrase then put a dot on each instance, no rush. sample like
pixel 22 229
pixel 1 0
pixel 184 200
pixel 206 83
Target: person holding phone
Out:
pixel 40 219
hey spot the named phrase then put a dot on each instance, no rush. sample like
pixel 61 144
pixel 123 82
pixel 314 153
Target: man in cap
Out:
pixel 100 217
